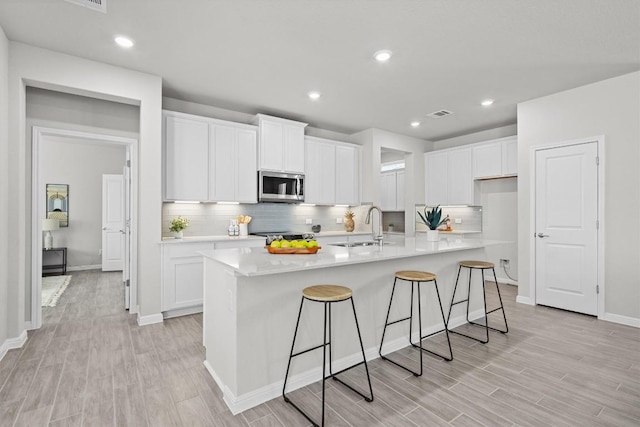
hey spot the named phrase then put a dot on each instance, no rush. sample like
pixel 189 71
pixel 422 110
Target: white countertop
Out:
pixel 258 262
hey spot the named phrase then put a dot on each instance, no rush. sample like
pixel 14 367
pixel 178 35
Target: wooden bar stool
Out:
pixel 326 294
pixel 416 278
pixel 482 266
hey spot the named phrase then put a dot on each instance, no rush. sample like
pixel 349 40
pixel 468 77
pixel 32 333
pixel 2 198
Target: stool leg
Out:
pixel 453 297
pixel 324 355
pixel 386 322
pixel 295 333
pixel 364 359
pixel 467 301
pixel 484 298
pixel 504 315
pixel 423 337
pixel 469 293
pixel 419 345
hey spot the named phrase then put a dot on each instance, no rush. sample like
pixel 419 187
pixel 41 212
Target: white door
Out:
pixel 113 223
pixel 566 210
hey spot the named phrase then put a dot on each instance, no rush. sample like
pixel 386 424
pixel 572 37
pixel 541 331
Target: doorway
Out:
pixel 77 142
pixel 568 226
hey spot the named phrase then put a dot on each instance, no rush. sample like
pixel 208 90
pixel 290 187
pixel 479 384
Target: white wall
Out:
pixel 30 66
pixel 610 108
pixel 471 138
pixel 4 187
pixel 81 166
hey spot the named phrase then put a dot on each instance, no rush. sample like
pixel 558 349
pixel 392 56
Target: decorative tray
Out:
pixel 299 251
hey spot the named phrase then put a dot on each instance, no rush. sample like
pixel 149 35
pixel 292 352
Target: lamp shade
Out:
pixel 50 224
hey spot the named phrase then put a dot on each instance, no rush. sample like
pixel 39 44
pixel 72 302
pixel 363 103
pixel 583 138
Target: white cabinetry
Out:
pixel 186 169
pixel 392 191
pixel 331 172
pixel 209 160
pixel 448 177
pixel 495 159
pixel 233 168
pixel 182 273
pixel 281 144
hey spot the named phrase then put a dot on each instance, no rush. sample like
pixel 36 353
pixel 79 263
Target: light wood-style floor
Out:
pixel 91 365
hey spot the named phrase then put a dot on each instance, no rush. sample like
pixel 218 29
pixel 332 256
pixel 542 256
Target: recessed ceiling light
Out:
pixel 123 41
pixel 487 102
pixel 415 124
pixel 314 95
pixel 382 55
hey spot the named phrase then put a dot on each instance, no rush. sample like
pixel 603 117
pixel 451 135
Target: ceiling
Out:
pixel 266 55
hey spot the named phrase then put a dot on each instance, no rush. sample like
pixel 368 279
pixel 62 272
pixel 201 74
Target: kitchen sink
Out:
pixel 357 244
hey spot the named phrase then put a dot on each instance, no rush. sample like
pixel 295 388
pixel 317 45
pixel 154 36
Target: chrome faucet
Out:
pixel 379 237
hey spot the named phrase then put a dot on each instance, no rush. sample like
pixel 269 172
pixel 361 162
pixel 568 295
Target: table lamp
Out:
pixel 48 225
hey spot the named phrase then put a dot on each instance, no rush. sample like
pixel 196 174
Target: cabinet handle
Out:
pixel 541 235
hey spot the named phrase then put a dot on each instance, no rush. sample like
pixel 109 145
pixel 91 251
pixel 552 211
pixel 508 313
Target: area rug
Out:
pixel 52 289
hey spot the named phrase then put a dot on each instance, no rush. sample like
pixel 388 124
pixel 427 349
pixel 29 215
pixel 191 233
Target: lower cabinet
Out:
pixel 182 273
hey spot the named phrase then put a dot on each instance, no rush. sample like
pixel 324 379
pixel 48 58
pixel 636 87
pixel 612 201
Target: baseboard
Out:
pixel 507 281
pixel 182 312
pixel 27 325
pixel 11 343
pixel 524 300
pixel 623 320
pixel 85 267
pixel 150 319
pixel 238 404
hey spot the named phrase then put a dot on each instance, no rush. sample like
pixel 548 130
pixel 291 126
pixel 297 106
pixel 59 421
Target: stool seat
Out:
pixel 476 264
pixel 415 276
pixel 324 293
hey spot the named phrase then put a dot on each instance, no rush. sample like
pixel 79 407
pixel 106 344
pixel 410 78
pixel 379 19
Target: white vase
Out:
pixel 433 236
pixel 178 234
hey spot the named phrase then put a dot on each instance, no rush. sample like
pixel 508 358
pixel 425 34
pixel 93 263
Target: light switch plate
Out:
pixel 308 221
pixel 458 220
pixel 338 220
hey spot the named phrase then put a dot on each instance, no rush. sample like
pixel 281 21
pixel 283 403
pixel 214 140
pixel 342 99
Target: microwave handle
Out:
pixel 297 187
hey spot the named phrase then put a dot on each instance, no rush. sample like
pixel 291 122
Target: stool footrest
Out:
pixel 310 349
pixel 459 302
pixel 397 321
pixel 495 309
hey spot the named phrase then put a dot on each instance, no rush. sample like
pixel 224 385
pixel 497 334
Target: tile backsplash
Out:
pixel 213 219
pixel 470 217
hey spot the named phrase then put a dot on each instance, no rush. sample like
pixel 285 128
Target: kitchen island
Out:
pixel 251 300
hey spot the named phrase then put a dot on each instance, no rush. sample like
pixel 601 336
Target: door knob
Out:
pixel 104 228
pixel 541 235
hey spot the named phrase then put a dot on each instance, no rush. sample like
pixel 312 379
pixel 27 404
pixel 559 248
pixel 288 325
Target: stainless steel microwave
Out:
pixel 280 187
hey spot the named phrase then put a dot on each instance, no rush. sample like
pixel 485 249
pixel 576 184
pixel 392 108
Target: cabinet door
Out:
pixel 186 159
pixel 347 176
pixel 487 161
pixel 271 146
pixel 293 154
pixel 460 177
pixel 222 163
pixel 388 191
pixel 246 166
pixel 510 157
pixel 320 176
pixel 400 190
pixel 435 170
pixel 182 275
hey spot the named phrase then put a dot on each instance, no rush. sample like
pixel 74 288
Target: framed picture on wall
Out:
pixel 58 203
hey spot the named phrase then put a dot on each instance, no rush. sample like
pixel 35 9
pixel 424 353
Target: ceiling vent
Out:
pixel 440 113
pixel 99 5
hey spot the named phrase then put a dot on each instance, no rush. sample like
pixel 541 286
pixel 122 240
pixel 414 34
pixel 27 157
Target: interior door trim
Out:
pixel 600 141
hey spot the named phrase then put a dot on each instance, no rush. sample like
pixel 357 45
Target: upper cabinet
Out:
pixel 495 159
pixel 281 143
pixel 331 172
pixel 186 157
pixel 392 191
pixel 209 160
pixel 448 177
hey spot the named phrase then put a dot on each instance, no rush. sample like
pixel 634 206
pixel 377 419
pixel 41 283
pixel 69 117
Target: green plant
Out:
pixel 178 224
pixel 432 218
